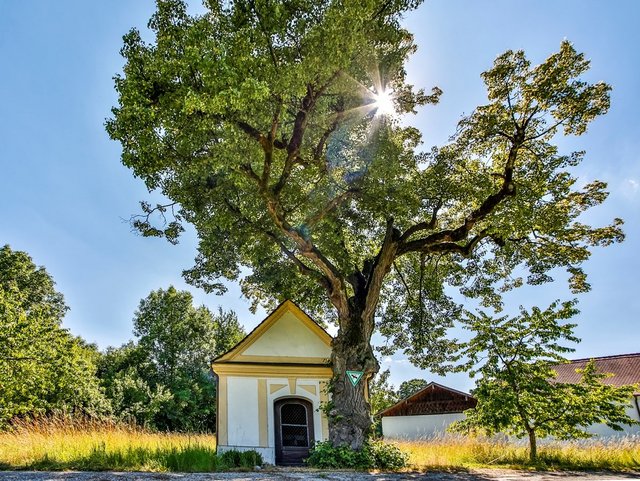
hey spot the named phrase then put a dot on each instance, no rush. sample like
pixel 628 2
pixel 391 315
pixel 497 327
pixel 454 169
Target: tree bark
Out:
pixel 349 413
pixel 533 447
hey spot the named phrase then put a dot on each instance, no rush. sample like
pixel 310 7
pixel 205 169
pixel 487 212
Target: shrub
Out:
pixel 373 455
pixel 241 459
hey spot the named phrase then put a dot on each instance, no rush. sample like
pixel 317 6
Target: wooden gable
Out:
pixel 434 398
pixel 288 336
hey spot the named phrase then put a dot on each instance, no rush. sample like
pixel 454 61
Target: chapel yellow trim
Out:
pixel 277 371
pixel 262 413
pixel 221 435
pixel 275 387
pixel 309 388
pixel 324 399
pixel 280 359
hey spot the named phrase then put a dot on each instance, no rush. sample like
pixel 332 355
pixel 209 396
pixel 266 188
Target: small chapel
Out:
pixel 271 386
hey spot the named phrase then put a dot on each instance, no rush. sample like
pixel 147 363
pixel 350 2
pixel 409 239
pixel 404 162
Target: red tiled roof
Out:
pixel 624 367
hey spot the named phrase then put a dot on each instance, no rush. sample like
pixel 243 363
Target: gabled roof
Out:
pixel 624 367
pixel 287 317
pixel 434 398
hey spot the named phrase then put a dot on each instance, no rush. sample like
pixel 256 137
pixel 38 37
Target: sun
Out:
pixel 384 103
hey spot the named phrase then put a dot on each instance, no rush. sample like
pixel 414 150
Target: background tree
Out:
pixel 517 393
pixel 407 388
pixel 381 396
pixel 163 380
pixel 260 122
pixel 129 380
pixel 43 368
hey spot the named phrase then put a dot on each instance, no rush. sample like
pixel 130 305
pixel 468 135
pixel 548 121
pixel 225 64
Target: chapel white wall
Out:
pixel 243 427
pixel 242 411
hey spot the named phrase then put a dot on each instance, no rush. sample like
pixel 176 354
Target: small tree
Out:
pixel 517 393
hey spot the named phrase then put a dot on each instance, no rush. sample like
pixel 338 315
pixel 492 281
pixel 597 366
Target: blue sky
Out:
pixel 64 193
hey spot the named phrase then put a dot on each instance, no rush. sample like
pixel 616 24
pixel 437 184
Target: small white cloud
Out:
pixel 630 187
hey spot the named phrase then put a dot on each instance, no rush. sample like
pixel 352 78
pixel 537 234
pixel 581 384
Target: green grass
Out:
pixel 452 452
pixel 63 444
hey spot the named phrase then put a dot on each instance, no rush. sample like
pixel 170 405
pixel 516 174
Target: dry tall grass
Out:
pixel 453 452
pixel 65 443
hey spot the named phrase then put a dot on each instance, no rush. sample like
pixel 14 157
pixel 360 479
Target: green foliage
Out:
pixel 163 381
pixel 43 368
pixel 518 394
pixel 193 458
pixel 241 459
pixel 412 386
pixel 373 455
pixel 381 396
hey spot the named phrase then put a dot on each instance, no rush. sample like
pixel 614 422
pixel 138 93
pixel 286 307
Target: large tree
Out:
pixel 266 124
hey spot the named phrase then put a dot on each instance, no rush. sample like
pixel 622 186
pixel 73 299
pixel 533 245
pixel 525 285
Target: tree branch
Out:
pixel 381 267
pixel 331 205
pixel 307 249
pixel 423 225
pixel 299 128
pixel 449 238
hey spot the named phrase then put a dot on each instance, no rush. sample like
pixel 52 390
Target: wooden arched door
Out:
pixel 294 430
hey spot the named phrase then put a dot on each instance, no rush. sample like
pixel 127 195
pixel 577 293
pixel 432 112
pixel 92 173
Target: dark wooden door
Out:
pixel 294 430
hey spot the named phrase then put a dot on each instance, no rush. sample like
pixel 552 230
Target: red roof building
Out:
pixel 624 367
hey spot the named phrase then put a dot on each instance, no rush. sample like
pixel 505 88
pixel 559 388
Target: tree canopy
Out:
pixel 43 368
pixel 261 123
pixel 164 380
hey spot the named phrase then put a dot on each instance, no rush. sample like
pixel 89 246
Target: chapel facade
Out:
pixel 272 385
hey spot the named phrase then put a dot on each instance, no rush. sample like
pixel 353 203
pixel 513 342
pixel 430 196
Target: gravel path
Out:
pixel 286 475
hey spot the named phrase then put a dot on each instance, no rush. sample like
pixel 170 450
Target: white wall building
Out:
pixel 271 386
pixel 426 413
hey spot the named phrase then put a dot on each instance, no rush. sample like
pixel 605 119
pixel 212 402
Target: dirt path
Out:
pixel 283 475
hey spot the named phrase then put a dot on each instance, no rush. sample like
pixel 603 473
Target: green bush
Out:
pixel 373 455
pixel 241 459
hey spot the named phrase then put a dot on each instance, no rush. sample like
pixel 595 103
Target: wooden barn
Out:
pixel 425 413
pixel 271 386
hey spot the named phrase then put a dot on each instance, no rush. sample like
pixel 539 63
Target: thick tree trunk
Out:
pixel 350 413
pixel 533 447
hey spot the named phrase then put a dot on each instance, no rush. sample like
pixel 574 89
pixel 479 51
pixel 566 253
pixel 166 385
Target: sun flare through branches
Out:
pixel 384 103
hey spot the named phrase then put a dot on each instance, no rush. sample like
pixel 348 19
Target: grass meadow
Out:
pixel 84 445
pixel 453 452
